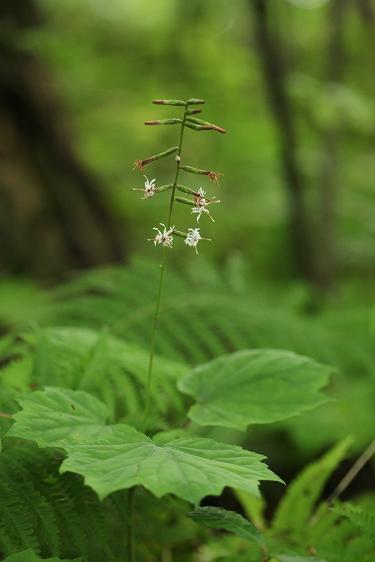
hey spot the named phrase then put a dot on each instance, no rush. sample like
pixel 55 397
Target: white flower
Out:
pixel 149 189
pixel 192 238
pixel 164 238
pixel 201 204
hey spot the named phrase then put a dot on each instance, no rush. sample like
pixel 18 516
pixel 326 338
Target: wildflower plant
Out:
pixel 234 390
pixel 195 198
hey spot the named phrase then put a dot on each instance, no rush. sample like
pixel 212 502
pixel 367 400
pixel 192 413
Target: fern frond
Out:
pixel 363 519
pixel 108 367
pixel 53 515
pixel 296 508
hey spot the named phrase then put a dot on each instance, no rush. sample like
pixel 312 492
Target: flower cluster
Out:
pixel 149 189
pixel 198 200
pixel 164 238
pixel 201 204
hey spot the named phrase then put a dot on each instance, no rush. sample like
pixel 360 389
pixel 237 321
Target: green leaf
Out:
pixel 96 362
pixel 118 457
pixel 190 467
pixel 218 518
pixel 296 508
pixel 253 507
pixel 58 417
pixel 254 386
pixel 364 520
pixel 30 556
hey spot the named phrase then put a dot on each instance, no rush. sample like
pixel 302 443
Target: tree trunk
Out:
pixel 275 76
pixel 328 188
pixel 53 213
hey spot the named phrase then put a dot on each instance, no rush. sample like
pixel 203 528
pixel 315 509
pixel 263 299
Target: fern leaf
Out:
pixel 295 509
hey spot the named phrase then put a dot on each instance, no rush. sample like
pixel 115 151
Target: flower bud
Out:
pixel 204 125
pixel 193 111
pixel 169 102
pixel 172 121
pixel 197 127
pixel 195 101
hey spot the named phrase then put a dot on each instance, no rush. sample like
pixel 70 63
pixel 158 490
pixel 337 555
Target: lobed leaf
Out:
pixel 254 386
pixel 58 417
pixel 188 467
pixel 119 457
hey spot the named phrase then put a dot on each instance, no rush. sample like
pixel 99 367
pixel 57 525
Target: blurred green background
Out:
pixel 100 64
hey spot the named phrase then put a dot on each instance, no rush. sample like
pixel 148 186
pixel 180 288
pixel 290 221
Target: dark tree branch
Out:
pixel 53 199
pixel 328 185
pixel 366 11
pixel 275 79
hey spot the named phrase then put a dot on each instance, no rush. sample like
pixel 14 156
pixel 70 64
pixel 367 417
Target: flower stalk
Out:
pixel 166 232
pixel 161 278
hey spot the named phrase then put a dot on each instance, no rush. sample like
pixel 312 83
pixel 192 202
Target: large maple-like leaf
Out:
pixel 254 386
pixel 118 457
pixel 190 467
pixel 57 417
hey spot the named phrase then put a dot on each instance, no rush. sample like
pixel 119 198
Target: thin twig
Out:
pixel 352 473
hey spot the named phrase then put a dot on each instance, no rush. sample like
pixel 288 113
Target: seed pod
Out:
pixel 164 187
pixel 193 111
pixel 180 234
pixel 195 170
pixel 213 176
pixel 169 102
pixel 197 127
pixel 172 121
pixel 141 163
pixel 185 189
pixel 205 124
pixel 195 101
pixel 184 200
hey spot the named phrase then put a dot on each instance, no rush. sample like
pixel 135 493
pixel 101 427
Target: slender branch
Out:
pixel 6 416
pixel 352 473
pixel 161 279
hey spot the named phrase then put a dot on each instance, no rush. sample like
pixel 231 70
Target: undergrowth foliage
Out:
pixel 105 445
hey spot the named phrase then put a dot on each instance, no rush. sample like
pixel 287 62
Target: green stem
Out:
pixel 130 527
pixel 160 287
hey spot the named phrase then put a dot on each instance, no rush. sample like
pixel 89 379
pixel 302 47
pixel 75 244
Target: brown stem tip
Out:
pixel 214 177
